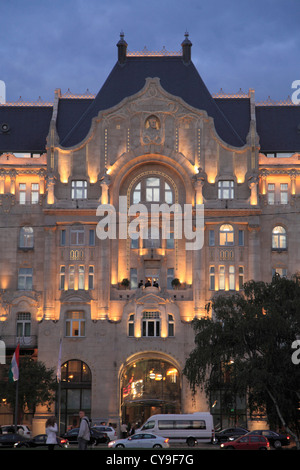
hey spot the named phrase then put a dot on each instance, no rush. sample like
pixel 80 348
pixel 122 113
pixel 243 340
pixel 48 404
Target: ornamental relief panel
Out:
pixel 151 120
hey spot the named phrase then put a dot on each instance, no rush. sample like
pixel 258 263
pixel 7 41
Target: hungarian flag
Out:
pixel 14 367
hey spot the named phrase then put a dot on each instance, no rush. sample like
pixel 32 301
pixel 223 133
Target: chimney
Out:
pixel 186 49
pixel 122 49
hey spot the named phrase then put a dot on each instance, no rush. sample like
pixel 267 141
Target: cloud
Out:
pixel 72 43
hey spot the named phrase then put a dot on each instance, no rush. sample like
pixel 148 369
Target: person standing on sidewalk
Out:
pixel 84 434
pixel 51 430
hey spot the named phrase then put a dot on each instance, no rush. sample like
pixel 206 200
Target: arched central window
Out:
pixel 226 235
pixel 153 189
pixel 279 238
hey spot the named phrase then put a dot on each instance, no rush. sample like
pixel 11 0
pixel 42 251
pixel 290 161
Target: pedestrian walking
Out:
pixel 51 430
pixel 84 434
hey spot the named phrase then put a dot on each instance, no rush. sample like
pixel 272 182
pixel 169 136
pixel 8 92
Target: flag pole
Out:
pixel 58 378
pixel 14 377
pixel 16 406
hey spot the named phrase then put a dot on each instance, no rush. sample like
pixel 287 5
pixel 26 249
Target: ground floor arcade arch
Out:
pixel 150 383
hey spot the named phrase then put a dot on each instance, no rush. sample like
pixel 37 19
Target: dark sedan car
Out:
pixel 12 440
pixel 97 437
pixel 229 433
pixel 40 441
pixel 275 439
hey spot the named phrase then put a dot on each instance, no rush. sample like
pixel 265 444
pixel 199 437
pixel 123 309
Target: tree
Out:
pixel 252 335
pixel 36 385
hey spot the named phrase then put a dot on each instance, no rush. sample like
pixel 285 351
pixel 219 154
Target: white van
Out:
pixel 189 428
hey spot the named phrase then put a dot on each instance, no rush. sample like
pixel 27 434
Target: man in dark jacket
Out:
pixel 84 434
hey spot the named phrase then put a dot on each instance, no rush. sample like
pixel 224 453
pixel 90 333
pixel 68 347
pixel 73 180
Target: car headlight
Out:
pixel 111 443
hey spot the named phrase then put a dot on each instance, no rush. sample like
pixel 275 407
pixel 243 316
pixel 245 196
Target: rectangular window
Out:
pixel 283 193
pixel 212 278
pixel 271 193
pixel 92 237
pixel 170 241
pixel 75 324
pixel 241 237
pixel 62 277
pixel 170 277
pixel 62 238
pixel 23 324
pixel 35 193
pixel 81 277
pixel 231 278
pixel 151 324
pixel 25 279
pixel 91 277
pixel 221 277
pixel 211 240
pixel 22 193
pixel 282 272
pixel 77 236
pixel 134 243
pixel 71 277
pixel 133 278
pixel 79 189
pixel 225 189
pixel 171 325
pixel 152 189
pixel 131 325
pixel 241 277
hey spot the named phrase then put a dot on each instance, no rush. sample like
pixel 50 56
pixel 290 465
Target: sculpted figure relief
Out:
pixel 152 130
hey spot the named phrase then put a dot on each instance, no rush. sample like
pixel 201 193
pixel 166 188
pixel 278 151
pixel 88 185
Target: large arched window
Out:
pixel 149 385
pixel 153 189
pixel 76 381
pixel 279 239
pixel 226 235
pixel 26 237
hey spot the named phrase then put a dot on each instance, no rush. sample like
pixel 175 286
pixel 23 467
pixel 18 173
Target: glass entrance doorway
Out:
pixel 149 386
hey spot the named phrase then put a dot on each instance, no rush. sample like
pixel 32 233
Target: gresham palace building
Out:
pixel 121 308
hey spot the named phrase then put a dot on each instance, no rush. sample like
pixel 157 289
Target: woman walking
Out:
pixel 51 430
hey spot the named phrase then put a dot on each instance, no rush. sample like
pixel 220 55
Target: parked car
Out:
pixel 109 430
pixel 247 442
pixel 22 429
pixel 12 440
pixel 141 440
pixel 275 439
pixel 40 441
pixel 229 433
pixel 97 437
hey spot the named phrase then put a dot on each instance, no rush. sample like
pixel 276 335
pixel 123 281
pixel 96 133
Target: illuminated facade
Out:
pixel 154 135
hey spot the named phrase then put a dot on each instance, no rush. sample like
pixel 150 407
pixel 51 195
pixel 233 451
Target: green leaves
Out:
pixel 246 345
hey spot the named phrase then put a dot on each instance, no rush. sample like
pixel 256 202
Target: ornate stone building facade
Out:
pixel 154 135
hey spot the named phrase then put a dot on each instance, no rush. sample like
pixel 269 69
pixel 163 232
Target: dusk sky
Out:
pixel 71 44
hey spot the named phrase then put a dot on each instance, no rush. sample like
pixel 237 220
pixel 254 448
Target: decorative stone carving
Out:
pixel 152 130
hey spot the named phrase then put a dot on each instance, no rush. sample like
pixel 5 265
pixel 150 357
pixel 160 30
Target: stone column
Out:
pixel 13 175
pixel 50 279
pixel 2 182
pixel 199 256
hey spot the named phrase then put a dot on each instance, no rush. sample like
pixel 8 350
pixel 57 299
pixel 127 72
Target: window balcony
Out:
pixel 26 342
